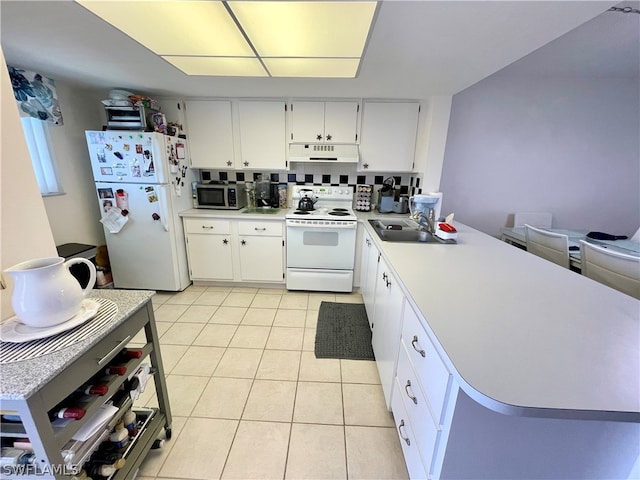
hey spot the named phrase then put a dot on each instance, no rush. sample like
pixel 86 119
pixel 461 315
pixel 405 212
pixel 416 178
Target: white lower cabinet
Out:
pixel 368 273
pixel 387 326
pixel 261 251
pixel 209 249
pixel 433 376
pixel 410 449
pixel 235 250
pixel 423 381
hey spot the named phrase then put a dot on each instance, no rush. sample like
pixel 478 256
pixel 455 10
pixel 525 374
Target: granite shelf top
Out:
pixel 21 379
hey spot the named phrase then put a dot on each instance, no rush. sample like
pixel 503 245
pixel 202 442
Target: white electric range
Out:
pixel 321 243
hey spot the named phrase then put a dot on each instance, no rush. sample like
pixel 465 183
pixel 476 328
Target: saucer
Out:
pixel 14 331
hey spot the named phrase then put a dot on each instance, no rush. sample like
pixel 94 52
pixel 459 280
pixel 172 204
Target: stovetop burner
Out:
pixel 302 212
pixel 339 212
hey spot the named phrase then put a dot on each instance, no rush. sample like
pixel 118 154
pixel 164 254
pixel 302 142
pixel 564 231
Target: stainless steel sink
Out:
pixel 404 231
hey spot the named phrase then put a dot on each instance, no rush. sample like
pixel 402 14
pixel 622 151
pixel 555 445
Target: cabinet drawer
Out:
pixel 422 422
pixel 205 225
pixel 404 429
pixel 431 372
pixel 269 229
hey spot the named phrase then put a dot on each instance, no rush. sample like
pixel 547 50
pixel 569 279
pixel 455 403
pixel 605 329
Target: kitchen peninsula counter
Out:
pixel 521 335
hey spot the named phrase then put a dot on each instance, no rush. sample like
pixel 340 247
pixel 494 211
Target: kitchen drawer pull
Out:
pixel 207 227
pixel 260 229
pixel 410 395
pixel 406 439
pixel 117 348
pixel 413 344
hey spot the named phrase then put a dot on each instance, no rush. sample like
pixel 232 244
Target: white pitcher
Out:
pixel 45 293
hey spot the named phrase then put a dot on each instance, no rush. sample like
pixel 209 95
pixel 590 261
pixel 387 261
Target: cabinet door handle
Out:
pixel 246 164
pixel 329 137
pixel 410 395
pixel 117 348
pixel 229 163
pixel 319 137
pixel 365 166
pixel 384 276
pixel 259 229
pixel 207 227
pixel 225 241
pixel 413 344
pixel 388 282
pixel 406 439
pixel 243 242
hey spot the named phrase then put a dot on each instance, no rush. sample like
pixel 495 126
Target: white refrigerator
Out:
pixel 142 182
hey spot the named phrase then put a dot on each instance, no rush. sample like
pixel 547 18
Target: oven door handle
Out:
pixel 323 227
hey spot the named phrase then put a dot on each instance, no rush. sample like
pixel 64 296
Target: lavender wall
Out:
pixel 569 146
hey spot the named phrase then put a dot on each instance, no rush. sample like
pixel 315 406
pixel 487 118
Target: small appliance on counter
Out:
pixel 385 196
pixel 401 204
pixel 220 196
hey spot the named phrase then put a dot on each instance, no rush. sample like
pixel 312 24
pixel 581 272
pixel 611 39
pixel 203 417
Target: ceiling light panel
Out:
pixel 305 29
pixel 175 27
pixel 312 67
pixel 218 66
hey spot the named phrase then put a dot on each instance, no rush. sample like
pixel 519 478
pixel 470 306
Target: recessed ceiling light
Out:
pixel 218 66
pixel 242 38
pixel 312 67
pixel 306 29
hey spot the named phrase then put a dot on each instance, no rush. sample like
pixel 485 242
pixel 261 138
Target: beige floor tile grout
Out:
pixel 312 301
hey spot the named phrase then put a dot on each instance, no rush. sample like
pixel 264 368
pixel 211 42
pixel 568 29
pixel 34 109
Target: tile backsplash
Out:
pixel 321 174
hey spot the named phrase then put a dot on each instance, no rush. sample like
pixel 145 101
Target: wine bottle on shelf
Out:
pixel 99 389
pixel 75 413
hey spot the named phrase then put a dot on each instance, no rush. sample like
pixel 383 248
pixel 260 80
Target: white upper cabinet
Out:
pixel 324 122
pixel 210 133
pixel 389 131
pixel 262 132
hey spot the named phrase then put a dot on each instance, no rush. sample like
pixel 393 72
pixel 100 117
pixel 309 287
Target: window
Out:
pixel 36 133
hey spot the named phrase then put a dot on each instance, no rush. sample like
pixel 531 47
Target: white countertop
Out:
pixel 235 214
pixel 523 335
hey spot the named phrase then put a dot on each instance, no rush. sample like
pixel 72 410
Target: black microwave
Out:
pixel 221 197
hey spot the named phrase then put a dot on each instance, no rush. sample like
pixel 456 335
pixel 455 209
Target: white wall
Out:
pixel 24 228
pixel 75 216
pixel 569 146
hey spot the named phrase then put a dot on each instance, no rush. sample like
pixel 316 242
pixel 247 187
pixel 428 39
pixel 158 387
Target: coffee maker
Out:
pixel 266 193
pixel 386 195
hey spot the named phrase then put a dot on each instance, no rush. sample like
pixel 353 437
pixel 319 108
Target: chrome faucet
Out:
pixel 430 226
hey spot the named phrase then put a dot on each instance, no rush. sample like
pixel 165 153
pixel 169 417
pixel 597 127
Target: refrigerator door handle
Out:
pixel 163 206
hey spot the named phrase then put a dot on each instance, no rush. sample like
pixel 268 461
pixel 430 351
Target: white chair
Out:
pixel 535 219
pixel 636 236
pixel 548 245
pixel 615 269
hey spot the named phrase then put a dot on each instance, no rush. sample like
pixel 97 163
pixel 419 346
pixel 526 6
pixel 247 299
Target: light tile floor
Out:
pixel 249 399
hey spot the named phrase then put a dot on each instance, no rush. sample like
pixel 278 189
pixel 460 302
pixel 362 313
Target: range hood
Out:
pixel 323 153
